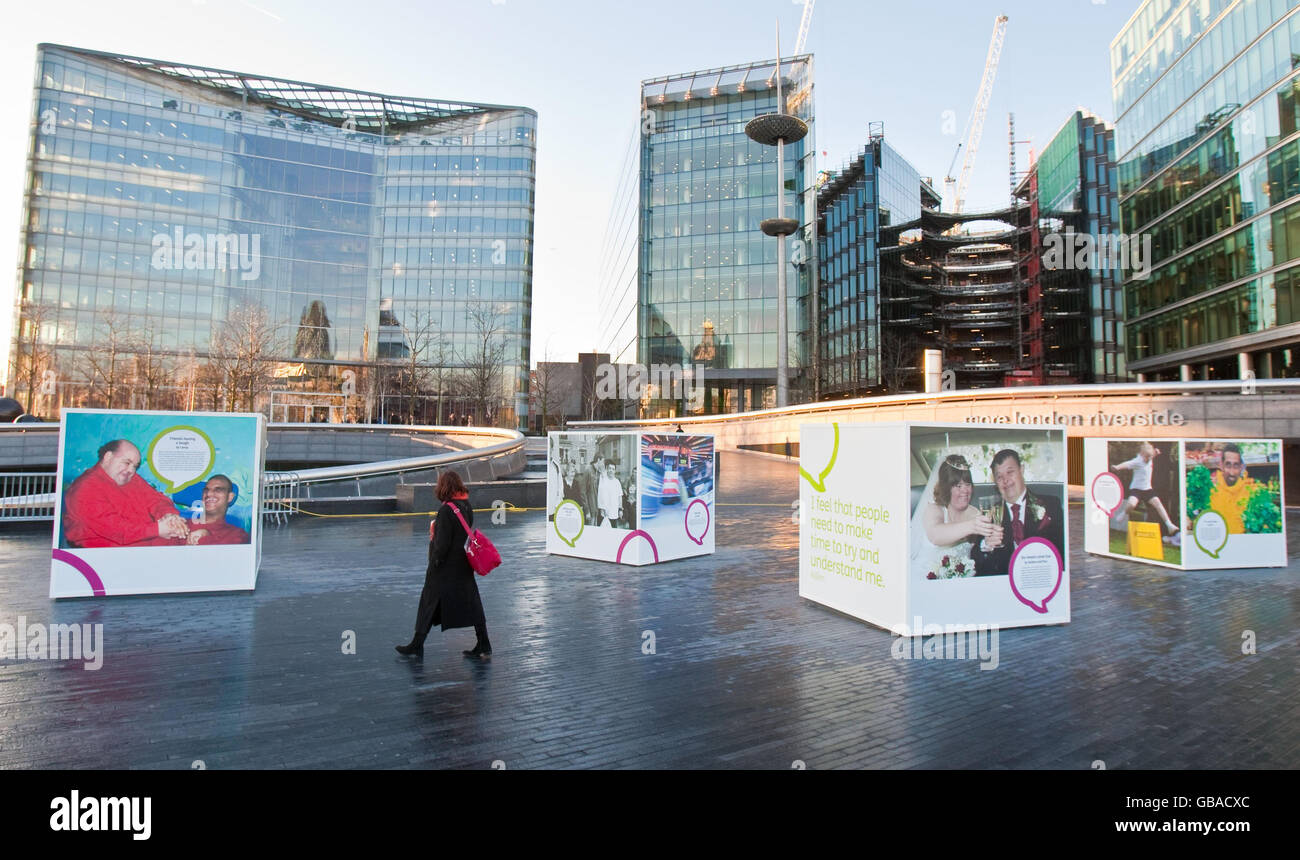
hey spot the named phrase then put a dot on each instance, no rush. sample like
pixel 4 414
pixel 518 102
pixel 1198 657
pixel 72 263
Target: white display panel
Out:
pixel 1210 503
pixel 908 526
pixel 157 502
pixel 630 498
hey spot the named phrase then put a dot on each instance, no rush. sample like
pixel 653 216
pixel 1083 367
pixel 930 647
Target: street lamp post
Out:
pixel 775 129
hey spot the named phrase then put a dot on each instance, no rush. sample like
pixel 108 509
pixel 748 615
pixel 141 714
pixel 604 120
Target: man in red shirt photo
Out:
pixel 218 494
pixel 110 505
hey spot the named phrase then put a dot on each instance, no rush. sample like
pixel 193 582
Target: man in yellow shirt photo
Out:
pixel 1232 488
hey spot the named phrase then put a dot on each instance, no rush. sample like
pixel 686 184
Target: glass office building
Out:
pixel 1207 137
pixel 707 274
pixel 877 190
pixel 163 198
pixel 1074 328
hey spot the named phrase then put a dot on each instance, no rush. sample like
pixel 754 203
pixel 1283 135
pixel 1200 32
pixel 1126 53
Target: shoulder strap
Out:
pixel 456 510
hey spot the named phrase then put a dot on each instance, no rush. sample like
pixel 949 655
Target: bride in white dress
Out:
pixel 945 525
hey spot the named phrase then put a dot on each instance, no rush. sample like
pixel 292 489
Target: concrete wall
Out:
pixel 1191 414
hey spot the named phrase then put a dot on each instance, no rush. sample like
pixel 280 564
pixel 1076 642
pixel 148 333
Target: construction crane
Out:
pixel 970 142
pixel 804 22
pixel 796 99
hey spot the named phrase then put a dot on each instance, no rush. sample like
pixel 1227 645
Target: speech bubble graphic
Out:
pixel 637 533
pixel 83 567
pixel 697 521
pixel 569 520
pixel 819 483
pixel 1210 531
pixel 180 456
pixel 1107 492
pixel 1036 571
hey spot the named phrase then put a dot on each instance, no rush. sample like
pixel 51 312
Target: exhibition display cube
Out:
pixel 920 528
pixel 631 498
pixel 1191 504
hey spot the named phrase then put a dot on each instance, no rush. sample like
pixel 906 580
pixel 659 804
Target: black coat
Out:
pixel 449 578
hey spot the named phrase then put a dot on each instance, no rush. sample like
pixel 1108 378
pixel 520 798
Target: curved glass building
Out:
pixel 382 244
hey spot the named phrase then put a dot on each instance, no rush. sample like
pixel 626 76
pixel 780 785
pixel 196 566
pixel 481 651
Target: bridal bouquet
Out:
pixel 952 567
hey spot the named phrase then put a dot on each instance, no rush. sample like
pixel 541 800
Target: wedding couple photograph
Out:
pixel 979 494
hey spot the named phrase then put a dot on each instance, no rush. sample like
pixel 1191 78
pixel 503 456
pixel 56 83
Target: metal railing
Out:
pixel 279 490
pixel 26 496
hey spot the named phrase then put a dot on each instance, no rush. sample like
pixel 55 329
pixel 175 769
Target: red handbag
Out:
pixel 483 556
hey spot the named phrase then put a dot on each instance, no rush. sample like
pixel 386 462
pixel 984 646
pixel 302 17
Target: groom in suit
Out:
pixel 1024 515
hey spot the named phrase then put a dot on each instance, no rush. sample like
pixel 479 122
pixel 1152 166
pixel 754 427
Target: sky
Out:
pixel 915 66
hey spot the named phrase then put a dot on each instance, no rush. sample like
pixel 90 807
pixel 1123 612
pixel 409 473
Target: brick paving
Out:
pixel 1149 674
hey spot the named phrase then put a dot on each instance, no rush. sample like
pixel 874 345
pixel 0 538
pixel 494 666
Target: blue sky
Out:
pixel 579 64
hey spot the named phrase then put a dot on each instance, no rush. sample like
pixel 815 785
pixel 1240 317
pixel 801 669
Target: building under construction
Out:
pixel 953 282
pixel 1073 327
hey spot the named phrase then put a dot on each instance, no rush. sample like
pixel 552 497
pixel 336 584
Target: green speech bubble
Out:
pixel 1210 529
pixel 555 523
pixel 183 459
pixel 819 483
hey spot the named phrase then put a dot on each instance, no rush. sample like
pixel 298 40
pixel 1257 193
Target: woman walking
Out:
pixel 450 595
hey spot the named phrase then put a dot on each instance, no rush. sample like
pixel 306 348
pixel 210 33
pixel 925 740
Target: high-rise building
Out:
pixel 856 205
pixel 707 274
pixel 163 200
pixel 1073 329
pixel 1207 142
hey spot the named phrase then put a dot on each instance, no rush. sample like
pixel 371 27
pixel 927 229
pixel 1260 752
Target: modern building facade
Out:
pixel 1207 141
pixel 365 230
pixel 1074 326
pixel 706 274
pixel 956 286
pixel 874 193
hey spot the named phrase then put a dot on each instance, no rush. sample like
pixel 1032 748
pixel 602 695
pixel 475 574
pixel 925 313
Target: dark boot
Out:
pixel 483 647
pixel 416 647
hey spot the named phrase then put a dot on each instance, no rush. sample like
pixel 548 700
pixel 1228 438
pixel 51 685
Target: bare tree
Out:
pixel 242 354
pixel 151 369
pixel 32 357
pixel 899 357
pixel 484 361
pixel 443 375
pixel 423 338
pixel 107 361
pixel 553 385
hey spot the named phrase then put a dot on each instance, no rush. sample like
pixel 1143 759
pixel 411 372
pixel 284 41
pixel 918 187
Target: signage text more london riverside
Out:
pixel 1150 418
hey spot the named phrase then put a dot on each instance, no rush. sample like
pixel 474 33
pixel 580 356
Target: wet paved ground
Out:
pixel 1149 674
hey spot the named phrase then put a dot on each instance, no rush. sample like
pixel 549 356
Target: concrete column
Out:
pixel 933 364
pixel 1142 377
pixel 1185 372
pixel 1245 367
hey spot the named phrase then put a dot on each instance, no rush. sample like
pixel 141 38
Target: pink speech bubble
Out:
pixel 1011 573
pixel 83 567
pixel 637 533
pixel 708 520
pixel 1109 481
